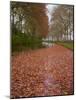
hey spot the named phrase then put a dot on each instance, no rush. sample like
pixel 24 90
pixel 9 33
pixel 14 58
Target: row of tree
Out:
pixel 29 24
pixel 61 24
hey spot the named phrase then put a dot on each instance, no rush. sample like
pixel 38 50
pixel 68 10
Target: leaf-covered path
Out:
pixel 42 72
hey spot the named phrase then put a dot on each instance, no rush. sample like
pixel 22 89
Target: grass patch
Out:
pixel 67 44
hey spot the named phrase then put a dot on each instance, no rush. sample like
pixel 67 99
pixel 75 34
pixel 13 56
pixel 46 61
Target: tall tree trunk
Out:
pixel 67 35
pixel 13 23
pixel 69 24
pixel 70 35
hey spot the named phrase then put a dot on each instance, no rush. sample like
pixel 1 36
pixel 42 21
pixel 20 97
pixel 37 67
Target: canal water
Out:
pixel 47 44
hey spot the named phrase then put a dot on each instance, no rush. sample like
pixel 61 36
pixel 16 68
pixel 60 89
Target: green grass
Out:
pixel 67 44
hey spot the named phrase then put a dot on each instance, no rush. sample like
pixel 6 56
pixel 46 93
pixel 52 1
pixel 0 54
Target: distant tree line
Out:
pixel 61 27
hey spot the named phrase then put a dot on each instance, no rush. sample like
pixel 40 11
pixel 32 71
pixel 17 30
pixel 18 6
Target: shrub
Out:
pixel 22 41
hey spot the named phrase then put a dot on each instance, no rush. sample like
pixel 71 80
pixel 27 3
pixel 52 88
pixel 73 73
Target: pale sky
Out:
pixel 50 8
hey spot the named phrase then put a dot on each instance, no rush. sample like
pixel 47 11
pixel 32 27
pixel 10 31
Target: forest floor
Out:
pixel 42 72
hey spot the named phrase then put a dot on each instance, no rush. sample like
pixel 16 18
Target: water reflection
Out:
pixel 47 44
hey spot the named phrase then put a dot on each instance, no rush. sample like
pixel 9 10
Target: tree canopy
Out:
pixel 62 20
pixel 29 18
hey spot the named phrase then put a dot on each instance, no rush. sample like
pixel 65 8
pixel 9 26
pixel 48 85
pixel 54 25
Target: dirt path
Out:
pixel 42 72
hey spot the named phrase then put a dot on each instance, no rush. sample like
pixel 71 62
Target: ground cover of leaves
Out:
pixel 42 72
